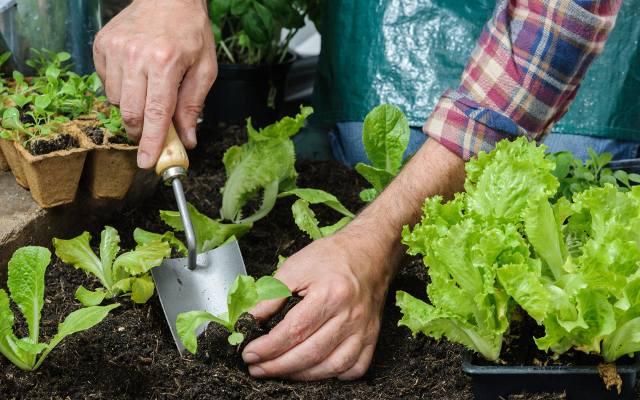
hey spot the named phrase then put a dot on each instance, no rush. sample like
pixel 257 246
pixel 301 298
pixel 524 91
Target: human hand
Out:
pixel 157 61
pixel 333 331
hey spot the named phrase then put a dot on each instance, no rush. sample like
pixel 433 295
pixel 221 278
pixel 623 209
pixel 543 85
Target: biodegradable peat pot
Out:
pixel 577 382
pixel 14 161
pixel 4 165
pixel 243 91
pixel 53 178
pixel 110 168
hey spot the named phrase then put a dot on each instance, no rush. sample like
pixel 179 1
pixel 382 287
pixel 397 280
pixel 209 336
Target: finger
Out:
pixel 361 366
pixel 113 81
pixel 300 323
pixel 162 91
pixel 193 90
pixel 132 102
pixel 341 359
pixel 306 355
pixel 288 275
pixel 99 58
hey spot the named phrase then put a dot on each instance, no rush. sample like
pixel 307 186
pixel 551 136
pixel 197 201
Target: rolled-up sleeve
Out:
pixel 523 74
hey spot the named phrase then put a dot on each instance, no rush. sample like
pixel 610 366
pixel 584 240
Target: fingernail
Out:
pixel 144 160
pixel 191 137
pixel 256 371
pixel 250 358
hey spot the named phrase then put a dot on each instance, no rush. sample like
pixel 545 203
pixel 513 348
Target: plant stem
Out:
pixel 285 46
pixel 227 52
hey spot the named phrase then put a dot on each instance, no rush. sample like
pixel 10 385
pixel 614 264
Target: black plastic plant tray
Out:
pixel 492 382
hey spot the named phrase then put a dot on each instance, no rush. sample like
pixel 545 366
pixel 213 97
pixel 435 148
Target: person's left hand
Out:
pixel 333 331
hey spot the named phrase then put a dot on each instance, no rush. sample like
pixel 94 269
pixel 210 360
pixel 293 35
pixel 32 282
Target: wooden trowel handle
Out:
pixel 173 153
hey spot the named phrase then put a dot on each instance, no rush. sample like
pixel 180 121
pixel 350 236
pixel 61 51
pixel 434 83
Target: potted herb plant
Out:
pixel 253 58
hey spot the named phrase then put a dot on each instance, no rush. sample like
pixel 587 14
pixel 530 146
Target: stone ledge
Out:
pixel 23 222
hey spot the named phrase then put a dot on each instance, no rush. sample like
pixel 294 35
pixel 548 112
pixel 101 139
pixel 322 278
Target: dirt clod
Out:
pixel 610 376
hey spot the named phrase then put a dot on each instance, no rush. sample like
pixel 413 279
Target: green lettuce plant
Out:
pixel 125 274
pixel 210 233
pixel 265 165
pixel 385 136
pixel 244 295
pixel 26 285
pixel 572 266
pixel 304 216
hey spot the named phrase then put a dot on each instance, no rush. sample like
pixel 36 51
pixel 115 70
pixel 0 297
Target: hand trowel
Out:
pixel 200 281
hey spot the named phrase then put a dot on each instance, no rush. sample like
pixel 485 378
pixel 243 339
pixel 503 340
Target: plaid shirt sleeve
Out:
pixel 523 74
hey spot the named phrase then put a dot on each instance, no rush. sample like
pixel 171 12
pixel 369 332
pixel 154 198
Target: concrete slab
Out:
pixel 23 222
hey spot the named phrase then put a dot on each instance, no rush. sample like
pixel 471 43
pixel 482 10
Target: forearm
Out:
pixel 433 170
pixel 523 74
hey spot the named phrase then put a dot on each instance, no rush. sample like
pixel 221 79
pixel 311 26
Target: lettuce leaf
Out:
pixel 26 271
pixel 385 136
pixel 244 295
pixel 124 274
pixel 265 164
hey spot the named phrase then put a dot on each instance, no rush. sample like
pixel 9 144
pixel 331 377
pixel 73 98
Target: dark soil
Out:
pixel 119 139
pixel 62 141
pixel 131 354
pixel 94 133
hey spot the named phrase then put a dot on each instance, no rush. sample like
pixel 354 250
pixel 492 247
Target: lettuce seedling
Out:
pixel 26 284
pixel 126 274
pixel 244 295
pixel 304 216
pixel 385 136
pixel 265 164
pixel 210 233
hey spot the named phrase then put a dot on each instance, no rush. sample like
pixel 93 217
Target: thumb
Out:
pixel 266 309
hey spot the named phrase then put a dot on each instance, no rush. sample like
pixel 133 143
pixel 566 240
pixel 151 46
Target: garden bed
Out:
pixel 132 355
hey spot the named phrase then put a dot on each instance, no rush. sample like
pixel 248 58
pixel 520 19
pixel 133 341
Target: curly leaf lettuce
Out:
pixel 573 265
pixel 264 165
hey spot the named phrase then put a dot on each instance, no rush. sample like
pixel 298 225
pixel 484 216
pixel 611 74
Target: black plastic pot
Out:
pixel 242 91
pixel 631 165
pixel 491 382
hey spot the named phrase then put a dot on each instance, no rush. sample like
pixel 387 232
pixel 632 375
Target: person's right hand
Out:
pixel 157 61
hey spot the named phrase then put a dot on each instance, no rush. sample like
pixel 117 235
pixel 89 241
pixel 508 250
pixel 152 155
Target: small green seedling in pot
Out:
pixel 113 122
pixel 26 284
pixel 305 218
pixel 244 295
pixel 576 176
pixel 126 274
pixel 385 136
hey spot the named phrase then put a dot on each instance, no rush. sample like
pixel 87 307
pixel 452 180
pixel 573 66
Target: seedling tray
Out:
pixel 577 382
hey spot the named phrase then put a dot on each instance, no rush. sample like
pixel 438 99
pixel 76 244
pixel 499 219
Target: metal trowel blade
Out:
pixel 203 289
